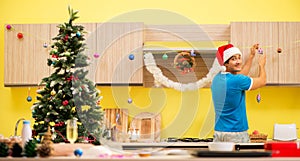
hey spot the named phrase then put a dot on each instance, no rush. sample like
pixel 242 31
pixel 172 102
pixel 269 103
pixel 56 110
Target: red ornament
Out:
pixel 54 56
pixel 20 35
pixel 279 50
pixel 72 78
pixel 59 124
pixel 66 37
pixel 65 102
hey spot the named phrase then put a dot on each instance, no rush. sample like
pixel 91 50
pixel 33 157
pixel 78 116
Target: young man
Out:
pixel 228 93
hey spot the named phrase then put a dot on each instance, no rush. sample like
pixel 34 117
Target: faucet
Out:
pixel 16 127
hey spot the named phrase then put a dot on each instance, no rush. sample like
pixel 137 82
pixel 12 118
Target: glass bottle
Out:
pixel 26 132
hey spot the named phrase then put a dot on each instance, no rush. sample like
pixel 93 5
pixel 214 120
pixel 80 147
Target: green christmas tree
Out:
pixel 68 93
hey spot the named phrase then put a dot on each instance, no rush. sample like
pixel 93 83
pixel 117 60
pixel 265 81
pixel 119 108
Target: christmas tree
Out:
pixel 68 93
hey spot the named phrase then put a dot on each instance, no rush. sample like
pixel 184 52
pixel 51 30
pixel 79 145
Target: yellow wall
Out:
pixel 183 114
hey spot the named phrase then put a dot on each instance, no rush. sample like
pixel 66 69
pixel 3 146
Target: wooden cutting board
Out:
pixel 148 124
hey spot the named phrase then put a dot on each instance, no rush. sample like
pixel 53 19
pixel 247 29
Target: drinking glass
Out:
pixel 72 131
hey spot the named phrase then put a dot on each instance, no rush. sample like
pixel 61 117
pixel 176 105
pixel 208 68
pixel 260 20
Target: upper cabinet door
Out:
pixel 289 58
pixel 281 67
pixel 25 60
pixel 245 34
pixel 115 43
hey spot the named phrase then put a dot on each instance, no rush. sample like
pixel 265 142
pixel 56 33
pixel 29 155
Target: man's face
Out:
pixel 234 64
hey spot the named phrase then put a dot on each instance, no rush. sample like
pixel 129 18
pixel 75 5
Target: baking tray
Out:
pixel 201 153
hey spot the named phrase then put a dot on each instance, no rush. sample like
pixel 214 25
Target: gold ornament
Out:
pixel 53 93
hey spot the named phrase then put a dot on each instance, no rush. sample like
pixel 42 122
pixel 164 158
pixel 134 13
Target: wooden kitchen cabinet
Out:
pixel 115 42
pixel 282 68
pixel 289 41
pixel 25 60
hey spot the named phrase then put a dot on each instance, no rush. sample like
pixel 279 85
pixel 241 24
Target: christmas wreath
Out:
pixel 184 62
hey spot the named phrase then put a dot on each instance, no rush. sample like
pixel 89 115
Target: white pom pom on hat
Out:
pixel 225 52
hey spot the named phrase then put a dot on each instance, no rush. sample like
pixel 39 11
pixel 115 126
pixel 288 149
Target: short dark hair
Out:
pixel 227 61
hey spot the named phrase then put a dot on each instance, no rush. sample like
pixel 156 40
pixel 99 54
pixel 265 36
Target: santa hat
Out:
pixel 225 52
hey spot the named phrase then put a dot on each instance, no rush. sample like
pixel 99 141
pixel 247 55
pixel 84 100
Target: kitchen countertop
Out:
pixel 155 158
pixel 181 152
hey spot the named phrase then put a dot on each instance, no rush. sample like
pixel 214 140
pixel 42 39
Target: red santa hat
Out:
pixel 225 52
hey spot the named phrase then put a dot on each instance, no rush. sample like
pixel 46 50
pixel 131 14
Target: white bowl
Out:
pixel 221 146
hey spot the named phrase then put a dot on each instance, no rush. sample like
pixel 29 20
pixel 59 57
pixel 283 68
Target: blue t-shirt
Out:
pixel 228 94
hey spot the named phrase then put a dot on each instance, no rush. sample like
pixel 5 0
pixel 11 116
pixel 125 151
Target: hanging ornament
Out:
pixel 66 38
pixel 98 102
pixel 193 53
pixel 52 93
pixel 258 98
pixel 8 27
pixel 260 51
pixel 165 57
pixel 131 57
pixel 65 102
pixel 279 50
pixel 20 35
pixel 33 112
pixel 45 45
pixel 96 55
pixel 54 56
pixel 129 100
pixel 29 99
pixel 78 34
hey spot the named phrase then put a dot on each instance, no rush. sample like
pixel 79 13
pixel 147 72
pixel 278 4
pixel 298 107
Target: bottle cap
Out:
pixel 26 122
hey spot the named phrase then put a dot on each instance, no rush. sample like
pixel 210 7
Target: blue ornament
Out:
pixel 165 57
pixel 38 140
pixel 131 57
pixel 78 34
pixel 258 98
pixel 193 53
pixel 129 100
pixel 29 99
pixel 78 152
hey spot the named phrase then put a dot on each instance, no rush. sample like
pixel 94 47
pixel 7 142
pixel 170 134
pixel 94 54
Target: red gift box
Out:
pixel 283 149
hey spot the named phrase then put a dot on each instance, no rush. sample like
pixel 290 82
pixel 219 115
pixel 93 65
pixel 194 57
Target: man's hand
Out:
pixel 262 60
pixel 253 49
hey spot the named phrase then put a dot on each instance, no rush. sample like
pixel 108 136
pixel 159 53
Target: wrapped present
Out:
pixel 283 149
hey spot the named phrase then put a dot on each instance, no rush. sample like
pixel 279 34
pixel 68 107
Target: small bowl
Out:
pixel 144 154
pixel 221 146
